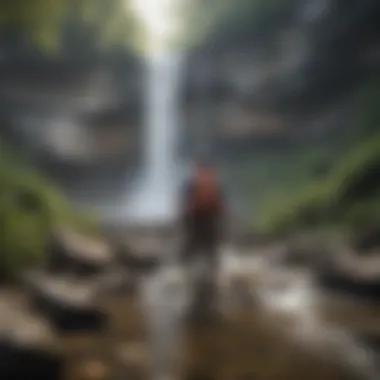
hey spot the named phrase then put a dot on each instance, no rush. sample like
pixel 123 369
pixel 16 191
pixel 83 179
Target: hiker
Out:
pixel 203 213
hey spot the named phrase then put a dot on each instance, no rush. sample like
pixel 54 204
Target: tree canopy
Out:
pixel 43 22
pixel 99 24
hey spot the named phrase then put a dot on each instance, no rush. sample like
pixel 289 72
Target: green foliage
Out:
pixel 112 22
pixel 307 208
pixel 357 176
pixel 42 21
pixel 297 194
pixel 29 208
pixel 348 196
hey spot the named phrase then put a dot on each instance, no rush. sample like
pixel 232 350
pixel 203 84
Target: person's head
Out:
pixel 204 168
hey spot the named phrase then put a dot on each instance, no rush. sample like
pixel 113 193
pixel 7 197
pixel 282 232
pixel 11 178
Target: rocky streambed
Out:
pixel 101 311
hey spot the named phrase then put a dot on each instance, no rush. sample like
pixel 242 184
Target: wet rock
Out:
pixel 70 304
pixel 341 282
pixel 23 362
pixel 370 340
pixel 366 240
pixel 353 275
pixel 296 256
pixel 305 252
pixel 116 282
pixel 29 348
pixel 142 257
pixel 71 252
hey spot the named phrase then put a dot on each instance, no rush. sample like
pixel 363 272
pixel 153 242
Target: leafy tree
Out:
pixel 43 21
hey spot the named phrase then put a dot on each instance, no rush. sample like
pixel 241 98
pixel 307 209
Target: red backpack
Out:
pixel 206 196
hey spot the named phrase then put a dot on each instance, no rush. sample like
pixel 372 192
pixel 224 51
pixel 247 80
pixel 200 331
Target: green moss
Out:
pixel 41 22
pixel 30 207
pixel 348 196
pixel 337 183
pixel 306 208
pixel 357 177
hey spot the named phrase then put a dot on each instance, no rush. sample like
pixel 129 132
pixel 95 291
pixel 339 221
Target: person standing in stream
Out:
pixel 203 212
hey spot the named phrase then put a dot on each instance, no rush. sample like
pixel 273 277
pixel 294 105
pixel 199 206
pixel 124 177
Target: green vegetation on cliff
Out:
pixel 346 195
pixel 44 22
pixel 30 207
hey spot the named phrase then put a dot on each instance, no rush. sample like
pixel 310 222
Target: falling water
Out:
pixel 154 198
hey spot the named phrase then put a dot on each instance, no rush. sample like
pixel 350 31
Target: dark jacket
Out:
pixel 201 221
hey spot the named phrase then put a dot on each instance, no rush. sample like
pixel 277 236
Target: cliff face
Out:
pixel 79 123
pixel 302 84
pixel 290 116
pixel 227 91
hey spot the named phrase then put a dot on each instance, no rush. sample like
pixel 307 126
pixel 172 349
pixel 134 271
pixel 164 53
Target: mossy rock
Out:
pixel 30 207
pixel 348 196
pixel 71 305
pixel 29 347
pixel 71 252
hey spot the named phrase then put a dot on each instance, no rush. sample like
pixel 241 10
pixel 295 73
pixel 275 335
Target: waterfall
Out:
pixel 154 198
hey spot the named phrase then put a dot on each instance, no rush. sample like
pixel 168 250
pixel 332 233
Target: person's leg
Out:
pixel 189 255
pixel 206 288
pixel 212 262
pixel 188 250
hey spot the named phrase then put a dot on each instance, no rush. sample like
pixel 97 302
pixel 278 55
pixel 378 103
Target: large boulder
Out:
pixel 25 362
pixel 71 304
pixel 371 342
pixel 367 240
pixel 71 252
pixel 141 256
pixel 367 288
pixel 29 349
pixel 305 251
pixel 352 275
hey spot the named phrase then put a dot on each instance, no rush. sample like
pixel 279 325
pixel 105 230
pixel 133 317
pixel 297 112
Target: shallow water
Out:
pixel 288 331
